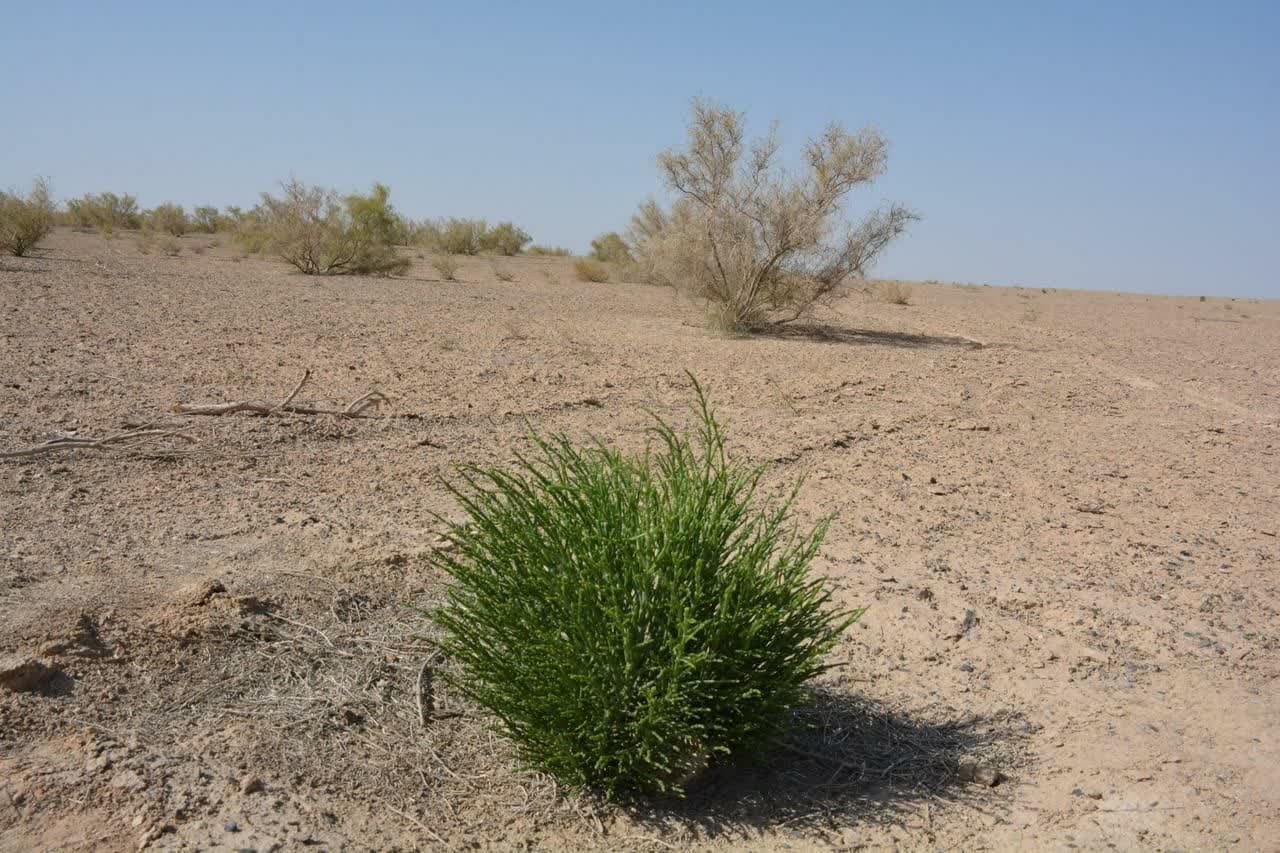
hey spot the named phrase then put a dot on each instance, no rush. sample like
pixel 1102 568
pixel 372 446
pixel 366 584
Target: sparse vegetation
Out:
pixel 447 266
pixel 893 292
pixel 589 270
pixel 25 219
pixel 168 219
pixel 505 238
pixel 631 621
pixel 322 234
pixel 171 247
pixel 502 273
pixel 549 251
pixel 104 211
pixel 749 239
pixel 610 248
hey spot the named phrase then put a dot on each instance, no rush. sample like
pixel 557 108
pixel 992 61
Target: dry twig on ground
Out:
pixel 357 408
pixel 121 442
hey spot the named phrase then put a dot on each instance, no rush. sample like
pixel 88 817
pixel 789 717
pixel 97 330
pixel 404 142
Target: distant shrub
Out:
pixel 320 233
pixel 589 270
pixel 610 248
pixel 207 220
pixel 460 236
pixel 501 273
pixel 633 620
pixel 25 220
pixel 168 219
pixel 171 247
pixel 106 211
pixel 758 244
pixel 549 251
pixel 447 266
pixel 504 239
pixel 894 292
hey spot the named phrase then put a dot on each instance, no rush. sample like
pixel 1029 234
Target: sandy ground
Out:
pixel 1061 508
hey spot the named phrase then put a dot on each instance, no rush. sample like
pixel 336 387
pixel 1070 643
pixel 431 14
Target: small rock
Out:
pixel 127 780
pixel 981 774
pixel 966 667
pixel 22 674
pixel 231 826
pixel 205 591
pixel 251 785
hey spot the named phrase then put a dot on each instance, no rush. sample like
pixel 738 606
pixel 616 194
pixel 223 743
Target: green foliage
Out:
pixel 25 220
pixel 207 220
pixel 505 238
pixel 322 234
pixel 169 219
pixel 610 248
pixel 460 236
pixel 589 270
pixel 630 620
pixel 549 251
pixel 106 211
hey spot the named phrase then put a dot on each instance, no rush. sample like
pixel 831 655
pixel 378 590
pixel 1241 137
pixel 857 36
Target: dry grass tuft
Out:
pixel 893 292
pixel 447 266
pixel 589 270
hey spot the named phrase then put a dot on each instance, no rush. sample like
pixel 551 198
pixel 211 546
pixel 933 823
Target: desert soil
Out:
pixel 1061 508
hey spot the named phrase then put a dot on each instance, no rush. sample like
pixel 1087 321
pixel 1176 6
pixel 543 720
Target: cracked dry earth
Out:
pixel 1060 507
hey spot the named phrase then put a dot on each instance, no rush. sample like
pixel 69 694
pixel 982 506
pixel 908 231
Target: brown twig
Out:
pixel 355 409
pixel 110 442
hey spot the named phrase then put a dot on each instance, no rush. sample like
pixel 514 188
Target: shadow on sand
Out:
pixel 824 333
pixel 851 762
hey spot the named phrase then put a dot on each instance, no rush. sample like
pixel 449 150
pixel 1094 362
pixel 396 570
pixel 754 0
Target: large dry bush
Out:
pixel 321 233
pixel 168 218
pixel 505 238
pixel 761 245
pixel 106 211
pixel 610 248
pixel 25 220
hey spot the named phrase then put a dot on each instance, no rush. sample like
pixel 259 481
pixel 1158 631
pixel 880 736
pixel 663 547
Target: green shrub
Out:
pixel 106 211
pixel 207 220
pixel 549 251
pixel 320 233
pixel 630 620
pixel 168 218
pixel 505 238
pixel 610 248
pixel 460 236
pixel 25 220
pixel 589 270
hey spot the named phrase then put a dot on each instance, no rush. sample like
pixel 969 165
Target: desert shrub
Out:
pixel 320 233
pixel 447 266
pixel 505 238
pixel 630 620
pixel 501 273
pixel 610 248
pixel 207 220
pixel 106 211
pixel 460 236
pixel 549 251
pixel 25 220
pixel 893 292
pixel 589 270
pixel 168 219
pixel 171 247
pixel 751 239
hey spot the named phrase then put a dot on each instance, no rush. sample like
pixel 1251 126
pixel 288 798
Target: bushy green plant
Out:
pixel 318 232
pixel 25 220
pixel 106 211
pixel 207 220
pixel 630 620
pixel 169 219
pixel 610 248
pixel 589 270
pixel 505 238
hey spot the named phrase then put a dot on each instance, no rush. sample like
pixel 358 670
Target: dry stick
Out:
pixel 420 825
pixel 355 409
pixel 306 374
pixel 108 443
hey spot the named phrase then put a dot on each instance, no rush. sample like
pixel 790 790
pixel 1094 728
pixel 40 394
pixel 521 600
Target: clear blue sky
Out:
pixel 1110 145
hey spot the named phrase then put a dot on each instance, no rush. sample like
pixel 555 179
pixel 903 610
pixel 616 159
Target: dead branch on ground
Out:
pixel 122 442
pixel 357 408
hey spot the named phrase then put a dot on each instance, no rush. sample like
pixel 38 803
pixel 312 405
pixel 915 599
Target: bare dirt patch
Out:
pixel 1060 507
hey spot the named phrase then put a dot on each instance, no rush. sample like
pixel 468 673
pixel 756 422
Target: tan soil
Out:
pixel 1094 476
